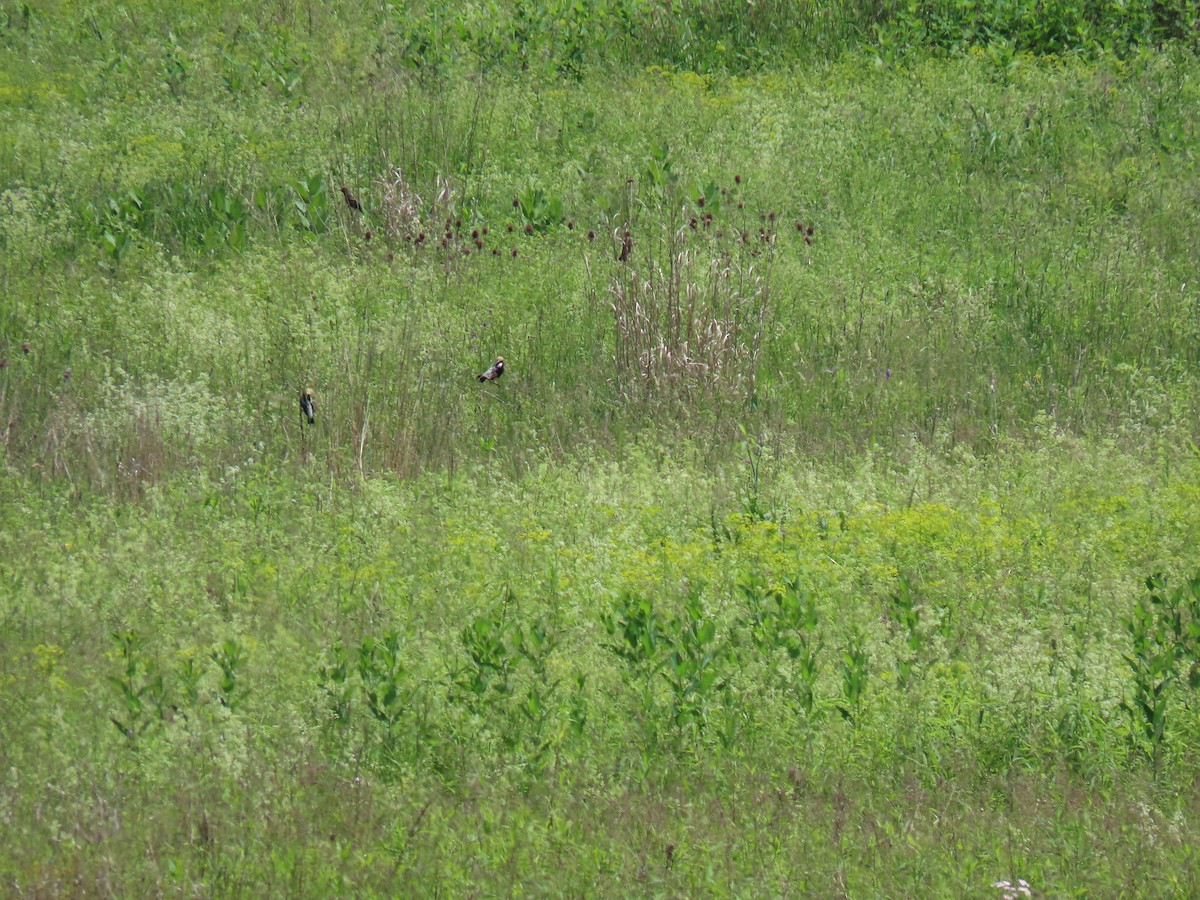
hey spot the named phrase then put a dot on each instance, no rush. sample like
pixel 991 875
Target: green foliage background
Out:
pixel 838 539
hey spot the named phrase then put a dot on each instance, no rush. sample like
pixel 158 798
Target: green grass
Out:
pixel 848 562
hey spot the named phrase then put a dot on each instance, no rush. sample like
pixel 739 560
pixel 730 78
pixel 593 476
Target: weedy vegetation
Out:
pixel 832 530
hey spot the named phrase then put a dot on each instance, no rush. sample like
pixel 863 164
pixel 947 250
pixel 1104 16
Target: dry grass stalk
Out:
pixel 695 327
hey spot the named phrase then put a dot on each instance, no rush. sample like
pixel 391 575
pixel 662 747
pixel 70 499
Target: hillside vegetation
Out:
pixel 831 531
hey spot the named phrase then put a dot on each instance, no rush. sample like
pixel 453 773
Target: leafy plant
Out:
pixel 310 202
pixel 1164 630
pixel 389 693
pixel 785 619
pixel 539 210
pixel 854 669
pixel 231 690
pixel 903 606
pixel 140 688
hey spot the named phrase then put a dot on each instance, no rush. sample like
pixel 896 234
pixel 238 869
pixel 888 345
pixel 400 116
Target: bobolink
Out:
pixel 308 406
pixel 496 370
pixel 351 200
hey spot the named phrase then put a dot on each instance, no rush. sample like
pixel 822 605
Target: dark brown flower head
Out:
pixel 495 251
pixel 516 202
pixel 449 222
pixel 485 229
pixel 390 256
pixel 737 179
pixel 808 231
pixel 25 348
pixel 474 234
pixel 367 235
pixel 528 228
pixel 66 374
pixel 807 239
pixel 692 223
pixel 800 226
pixel 514 252
pixel 771 216
pixel 741 205
pixel 699 201
pixel 478 244
pixel 510 228
pixel 458 223
pixel 570 224
pixel 591 235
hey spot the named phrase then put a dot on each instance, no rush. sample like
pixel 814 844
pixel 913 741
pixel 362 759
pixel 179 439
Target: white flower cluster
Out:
pixel 1013 891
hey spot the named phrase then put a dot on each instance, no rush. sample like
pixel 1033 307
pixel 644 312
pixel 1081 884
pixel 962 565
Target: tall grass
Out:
pixel 831 530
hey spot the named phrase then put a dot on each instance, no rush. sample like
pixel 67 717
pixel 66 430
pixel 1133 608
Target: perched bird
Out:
pixel 308 406
pixel 351 200
pixel 496 370
pixel 626 247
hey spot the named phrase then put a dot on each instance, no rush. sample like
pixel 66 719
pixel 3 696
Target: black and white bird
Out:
pixel 308 406
pixel 496 370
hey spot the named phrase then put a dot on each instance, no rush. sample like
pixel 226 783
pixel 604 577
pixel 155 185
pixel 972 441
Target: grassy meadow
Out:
pixel 832 531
